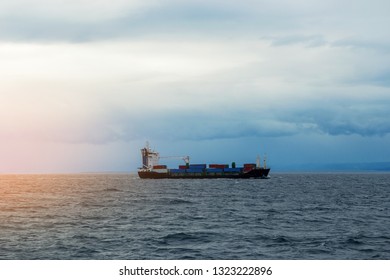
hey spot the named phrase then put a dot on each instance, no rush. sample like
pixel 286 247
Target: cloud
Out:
pixel 287 22
pixel 81 11
pixel 83 83
pixel 84 21
pixel 105 92
pixel 379 77
pixel 120 124
pixel 306 40
pixel 73 20
pixel 380 45
pixel 196 70
pixel 361 121
pixel 343 117
pixel 50 21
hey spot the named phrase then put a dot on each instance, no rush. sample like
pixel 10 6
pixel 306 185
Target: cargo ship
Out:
pixel 151 169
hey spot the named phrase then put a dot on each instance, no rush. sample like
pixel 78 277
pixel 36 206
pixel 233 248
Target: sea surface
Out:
pixel 119 216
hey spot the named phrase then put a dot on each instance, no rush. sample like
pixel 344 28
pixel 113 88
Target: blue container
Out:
pixel 232 169
pixel 177 170
pixel 193 166
pixel 194 170
pixel 214 170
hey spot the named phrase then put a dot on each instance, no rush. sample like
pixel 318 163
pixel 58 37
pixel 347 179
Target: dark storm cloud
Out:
pixel 343 119
pixel 375 77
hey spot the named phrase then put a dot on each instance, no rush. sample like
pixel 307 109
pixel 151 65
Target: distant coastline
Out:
pixel 336 167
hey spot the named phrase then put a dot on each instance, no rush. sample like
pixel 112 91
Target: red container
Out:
pixel 160 167
pixel 182 166
pixel 249 166
pixel 247 169
pixel 221 166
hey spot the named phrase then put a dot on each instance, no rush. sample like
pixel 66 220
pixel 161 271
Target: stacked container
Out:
pixel 232 170
pixel 160 168
pixel 249 166
pixel 218 165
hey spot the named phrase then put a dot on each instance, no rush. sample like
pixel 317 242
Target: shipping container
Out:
pixel 183 167
pixel 218 165
pixel 214 170
pixel 177 170
pixel 192 166
pixel 194 170
pixel 232 169
pixel 250 165
pixel 160 167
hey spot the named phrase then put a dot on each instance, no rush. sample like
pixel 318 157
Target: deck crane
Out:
pixel 185 158
pixel 151 158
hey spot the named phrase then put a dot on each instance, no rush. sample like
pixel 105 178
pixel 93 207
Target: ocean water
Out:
pixel 119 216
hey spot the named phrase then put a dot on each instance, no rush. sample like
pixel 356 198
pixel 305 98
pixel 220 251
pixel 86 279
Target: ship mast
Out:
pixel 258 161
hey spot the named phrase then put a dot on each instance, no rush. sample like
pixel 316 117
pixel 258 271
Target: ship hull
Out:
pixel 260 173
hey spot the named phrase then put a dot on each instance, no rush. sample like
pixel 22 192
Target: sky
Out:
pixel 84 84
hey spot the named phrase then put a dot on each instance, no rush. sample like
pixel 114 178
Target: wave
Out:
pixel 176 201
pixel 112 190
pixel 183 238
